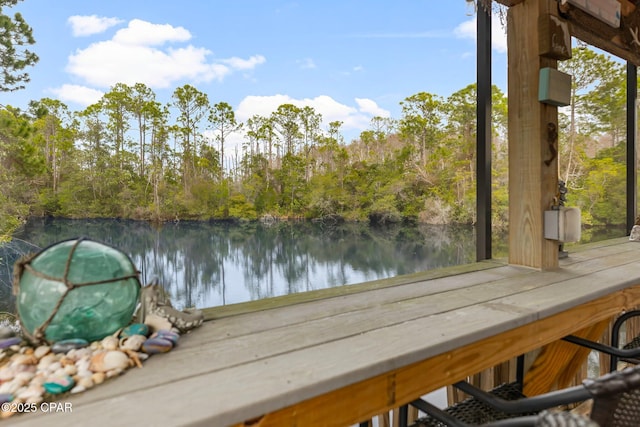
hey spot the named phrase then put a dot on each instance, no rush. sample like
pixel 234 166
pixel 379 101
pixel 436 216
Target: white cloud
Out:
pixel 306 64
pixel 369 106
pixel 467 30
pixel 245 64
pixel 137 54
pixel 88 25
pixel 81 95
pixel 143 33
pixel 353 117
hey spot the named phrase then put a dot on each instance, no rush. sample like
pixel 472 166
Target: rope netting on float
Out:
pixel 10 252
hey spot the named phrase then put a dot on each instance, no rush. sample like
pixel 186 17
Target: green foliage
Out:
pixel 15 35
pixel 125 157
pixel 603 199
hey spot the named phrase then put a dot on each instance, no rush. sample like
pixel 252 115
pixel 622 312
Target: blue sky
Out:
pixel 349 59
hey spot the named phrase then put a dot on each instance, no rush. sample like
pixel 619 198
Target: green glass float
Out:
pixel 76 288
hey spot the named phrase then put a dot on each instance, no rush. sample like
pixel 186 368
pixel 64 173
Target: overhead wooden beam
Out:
pixel 617 41
pixel 509 3
pixel 533 168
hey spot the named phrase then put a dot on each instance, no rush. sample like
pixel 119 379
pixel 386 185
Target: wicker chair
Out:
pixel 616 403
pixel 629 353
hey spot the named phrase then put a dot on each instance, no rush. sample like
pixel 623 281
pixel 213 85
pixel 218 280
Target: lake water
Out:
pixel 205 264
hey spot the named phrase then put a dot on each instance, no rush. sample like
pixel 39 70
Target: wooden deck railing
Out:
pixel 342 356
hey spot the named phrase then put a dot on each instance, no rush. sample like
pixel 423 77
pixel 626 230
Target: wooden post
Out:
pixel 532 183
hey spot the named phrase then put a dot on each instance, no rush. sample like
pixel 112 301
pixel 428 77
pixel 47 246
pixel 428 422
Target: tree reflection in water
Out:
pixel 205 264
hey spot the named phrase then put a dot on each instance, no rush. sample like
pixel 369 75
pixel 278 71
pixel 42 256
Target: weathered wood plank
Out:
pixel 583 263
pixel 410 381
pixel 319 294
pixel 374 376
pixel 532 183
pixel 216 351
pixel 558 362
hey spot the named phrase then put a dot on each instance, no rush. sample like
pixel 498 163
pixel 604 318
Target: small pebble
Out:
pixel 168 335
pixel 58 385
pixel 11 343
pixel 65 345
pixel 5 397
pixel 157 345
pixel 42 351
pixel 135 329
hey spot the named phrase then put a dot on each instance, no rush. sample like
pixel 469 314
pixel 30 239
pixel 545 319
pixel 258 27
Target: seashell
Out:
pixel 70 370
pixel 11 343
pixel 23 378
pixel 23 359
pixel 83 365
pixel 26 350
pixel 9 387
pixel 38 380
pixel 65 345
pixel 26 368
pixel 54 366
pixel 78 389
pixel 59 373
pixel 108 361
pixel 157 345
pixel 113 373
pixel 132 342
pixel 156 322
pixel 79 353
pixel 98 377
pixel 85 382
pixel 109 343
pixel 168 335
pixel 135 329
pixel 42 351
pixel 7 374
pixel 65 361
pixel 57 385
pixel 30 392
pixel 47 360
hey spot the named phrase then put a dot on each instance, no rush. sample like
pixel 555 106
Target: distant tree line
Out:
pixel 130 156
